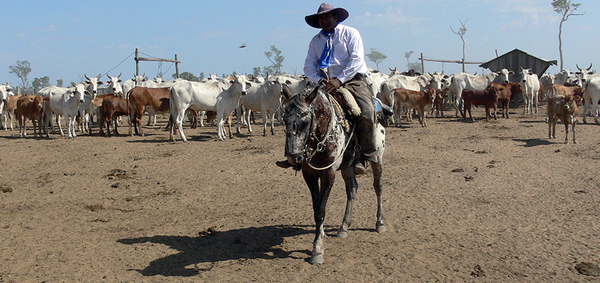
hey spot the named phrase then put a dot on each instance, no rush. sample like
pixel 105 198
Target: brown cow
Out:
pixel 561 90
pixel 9 110
pixel 563 107
pixel 438 102
pixel 421 100
pixel 506 93
pixel 144 98
pixel 31 107
pixel 113 107
pixel 488 98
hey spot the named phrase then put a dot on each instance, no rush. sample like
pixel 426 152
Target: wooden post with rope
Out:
pixel 138 59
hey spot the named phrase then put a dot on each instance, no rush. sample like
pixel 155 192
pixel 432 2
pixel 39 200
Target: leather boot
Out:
pixel 283 164
pixel 359 167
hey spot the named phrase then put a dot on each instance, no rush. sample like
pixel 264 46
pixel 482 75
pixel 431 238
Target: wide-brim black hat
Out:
pixel 325 8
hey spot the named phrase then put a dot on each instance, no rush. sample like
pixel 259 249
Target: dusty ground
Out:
pixel 478 202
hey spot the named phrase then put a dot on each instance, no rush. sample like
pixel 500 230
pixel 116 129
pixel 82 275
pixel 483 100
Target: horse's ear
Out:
pixel 311 96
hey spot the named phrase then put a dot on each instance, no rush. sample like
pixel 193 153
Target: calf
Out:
pixel 30 107
pixel 564 108
pixel 421 100
pixel 155 100
pixel 506 93
pixel 9 110
pixel 488 98
pixel 113 107
pixel 438 102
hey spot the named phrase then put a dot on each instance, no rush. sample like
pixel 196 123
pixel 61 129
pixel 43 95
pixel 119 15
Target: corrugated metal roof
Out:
pixel 516 59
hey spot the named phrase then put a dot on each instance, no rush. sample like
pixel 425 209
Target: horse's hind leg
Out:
pixel 351 188
pixel 377 184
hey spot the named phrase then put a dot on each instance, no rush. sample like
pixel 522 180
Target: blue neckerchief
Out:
pixel 327 51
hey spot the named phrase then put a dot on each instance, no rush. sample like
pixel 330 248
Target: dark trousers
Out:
pixel 365 124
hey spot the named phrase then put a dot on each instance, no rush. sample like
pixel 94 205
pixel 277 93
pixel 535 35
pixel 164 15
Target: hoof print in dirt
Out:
pixel 210 231
pixel 588 269
pixel 119 185
pixel 117 173
pixel 458 170
pixel 6 189
pixel 478 271
pixel 469 178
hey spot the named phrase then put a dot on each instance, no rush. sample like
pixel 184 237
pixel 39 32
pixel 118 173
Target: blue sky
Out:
pixel 67 39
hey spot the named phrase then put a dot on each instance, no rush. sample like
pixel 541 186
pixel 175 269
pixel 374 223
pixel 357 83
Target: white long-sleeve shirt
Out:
pixel 348 57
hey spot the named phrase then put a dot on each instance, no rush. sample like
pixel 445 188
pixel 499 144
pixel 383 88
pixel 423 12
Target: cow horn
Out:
pixel 589 67
pixel 86 77
pixel 119 76
pixel 99 76
pixel 392 70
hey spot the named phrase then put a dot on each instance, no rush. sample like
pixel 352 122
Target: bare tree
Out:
pixel 566 9
pixel 461 32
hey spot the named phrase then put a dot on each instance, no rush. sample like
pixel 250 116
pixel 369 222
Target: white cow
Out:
pixel 205 97
pixel 5 90
pixel 84 108
pixel 531 87
pixel 589 80
pixel 64 102
pixel 114 84
pixel 375 79
pixel 264 97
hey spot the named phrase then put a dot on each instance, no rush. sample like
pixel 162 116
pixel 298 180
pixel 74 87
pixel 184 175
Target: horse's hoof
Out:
pixel 342 234
pixel 380 228
pixel 316 258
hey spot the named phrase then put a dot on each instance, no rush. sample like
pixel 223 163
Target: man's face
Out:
pixel 328 21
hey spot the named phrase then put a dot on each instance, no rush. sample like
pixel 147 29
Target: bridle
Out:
pixel 309 152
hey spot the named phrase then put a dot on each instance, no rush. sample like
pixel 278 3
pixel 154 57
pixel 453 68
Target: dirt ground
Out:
pixel 475 201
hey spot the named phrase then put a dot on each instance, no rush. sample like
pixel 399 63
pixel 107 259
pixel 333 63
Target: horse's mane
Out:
pixel 299 99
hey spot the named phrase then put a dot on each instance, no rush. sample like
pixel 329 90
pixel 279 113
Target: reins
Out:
pixel 326 138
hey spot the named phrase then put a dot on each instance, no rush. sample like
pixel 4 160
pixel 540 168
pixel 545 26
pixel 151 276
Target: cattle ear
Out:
pixel 511 73
pixel 100 82
pixel 46 98
pixel 119 81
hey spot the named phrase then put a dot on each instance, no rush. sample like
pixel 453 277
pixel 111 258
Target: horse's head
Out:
pixel 298 118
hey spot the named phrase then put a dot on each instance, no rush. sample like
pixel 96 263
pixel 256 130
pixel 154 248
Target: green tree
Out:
pixel 187 76
pixel 376 57
pixel 566 9
pixel 276 61
pixel 201 76
pixel 59 82
pixel 256 72
pixel 39 83
pixel 22 70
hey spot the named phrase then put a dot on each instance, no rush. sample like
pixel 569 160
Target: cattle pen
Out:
pixel 485 200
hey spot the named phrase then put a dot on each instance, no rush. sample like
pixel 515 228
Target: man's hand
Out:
pixel 332 85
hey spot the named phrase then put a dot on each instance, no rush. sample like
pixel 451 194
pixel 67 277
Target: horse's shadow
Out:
pixel 217 246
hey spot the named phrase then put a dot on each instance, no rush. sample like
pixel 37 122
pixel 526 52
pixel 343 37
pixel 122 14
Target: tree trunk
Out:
pixel 560 43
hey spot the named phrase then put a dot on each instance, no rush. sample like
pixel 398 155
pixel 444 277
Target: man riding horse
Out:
pixel 339 50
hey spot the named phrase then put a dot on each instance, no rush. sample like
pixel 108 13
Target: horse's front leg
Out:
pixel 351 188
pixel 320 195
pixel 377 184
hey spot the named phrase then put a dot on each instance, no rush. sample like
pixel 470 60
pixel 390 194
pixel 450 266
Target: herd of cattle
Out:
pixel 80 103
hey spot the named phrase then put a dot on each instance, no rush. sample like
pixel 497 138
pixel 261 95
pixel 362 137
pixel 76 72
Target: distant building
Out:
pixel 514 60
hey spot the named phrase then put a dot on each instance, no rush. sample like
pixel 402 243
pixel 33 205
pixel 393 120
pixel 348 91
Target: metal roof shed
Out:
pixel 514 60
